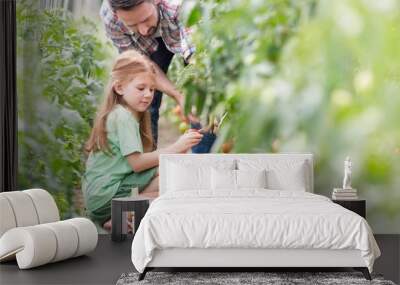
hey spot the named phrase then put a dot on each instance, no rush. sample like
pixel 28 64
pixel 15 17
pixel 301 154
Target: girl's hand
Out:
pixel 189 139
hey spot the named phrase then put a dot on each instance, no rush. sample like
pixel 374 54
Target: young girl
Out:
pixel 121 150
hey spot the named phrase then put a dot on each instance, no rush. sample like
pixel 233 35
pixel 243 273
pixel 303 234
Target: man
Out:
pixel 153 28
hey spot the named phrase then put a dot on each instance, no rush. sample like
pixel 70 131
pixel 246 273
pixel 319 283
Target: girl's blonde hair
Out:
pixel 127 65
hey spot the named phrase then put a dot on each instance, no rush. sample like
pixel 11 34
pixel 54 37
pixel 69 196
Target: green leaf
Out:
pixel 194 15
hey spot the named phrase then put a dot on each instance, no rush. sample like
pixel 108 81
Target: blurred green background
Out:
pixel 289 76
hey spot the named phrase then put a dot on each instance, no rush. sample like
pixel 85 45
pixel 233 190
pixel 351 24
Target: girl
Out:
pixel 121 151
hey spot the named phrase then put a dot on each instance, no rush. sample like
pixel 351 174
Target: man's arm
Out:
pixel 185 46
pixel 166 86
pixel 188 49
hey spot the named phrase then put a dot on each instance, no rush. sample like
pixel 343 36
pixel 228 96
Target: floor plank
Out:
pixel 110 260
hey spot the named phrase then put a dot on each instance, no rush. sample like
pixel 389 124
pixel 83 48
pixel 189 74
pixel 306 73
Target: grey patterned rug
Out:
pixel 231 278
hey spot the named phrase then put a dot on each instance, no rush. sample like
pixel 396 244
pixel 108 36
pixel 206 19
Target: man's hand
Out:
pixel 190 118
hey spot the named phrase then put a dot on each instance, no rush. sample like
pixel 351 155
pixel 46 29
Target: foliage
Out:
pixel 295 76
pixel 292 76
pixel 232 36
pixel 61 74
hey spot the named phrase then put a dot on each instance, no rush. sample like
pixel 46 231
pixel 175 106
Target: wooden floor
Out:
pixel 110 260
pixel 102 266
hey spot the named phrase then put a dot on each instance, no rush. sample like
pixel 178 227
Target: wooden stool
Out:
pixel 119 209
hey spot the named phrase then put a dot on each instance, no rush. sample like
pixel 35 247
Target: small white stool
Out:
pixel 31 231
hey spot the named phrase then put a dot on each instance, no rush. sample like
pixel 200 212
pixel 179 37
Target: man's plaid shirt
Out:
pixel 174 35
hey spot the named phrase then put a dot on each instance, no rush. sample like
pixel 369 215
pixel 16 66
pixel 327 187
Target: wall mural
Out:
pixel 267 76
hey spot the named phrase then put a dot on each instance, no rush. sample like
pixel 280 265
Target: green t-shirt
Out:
pixel 106 172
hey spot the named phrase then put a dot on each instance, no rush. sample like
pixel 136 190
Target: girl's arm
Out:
pixel 142 161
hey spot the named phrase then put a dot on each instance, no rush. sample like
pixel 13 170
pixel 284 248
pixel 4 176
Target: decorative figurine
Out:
pixel 347 192
pixel 347 174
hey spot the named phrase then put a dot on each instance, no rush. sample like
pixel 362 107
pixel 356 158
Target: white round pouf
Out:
pixel 6 216
pixel 41 244
pixel 45 205
pixel 23 208
pixel 33 246
pixel 87 234
pixel 67 240
pixel 30 230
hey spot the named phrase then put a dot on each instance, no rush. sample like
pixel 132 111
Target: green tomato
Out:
pixel 183 127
